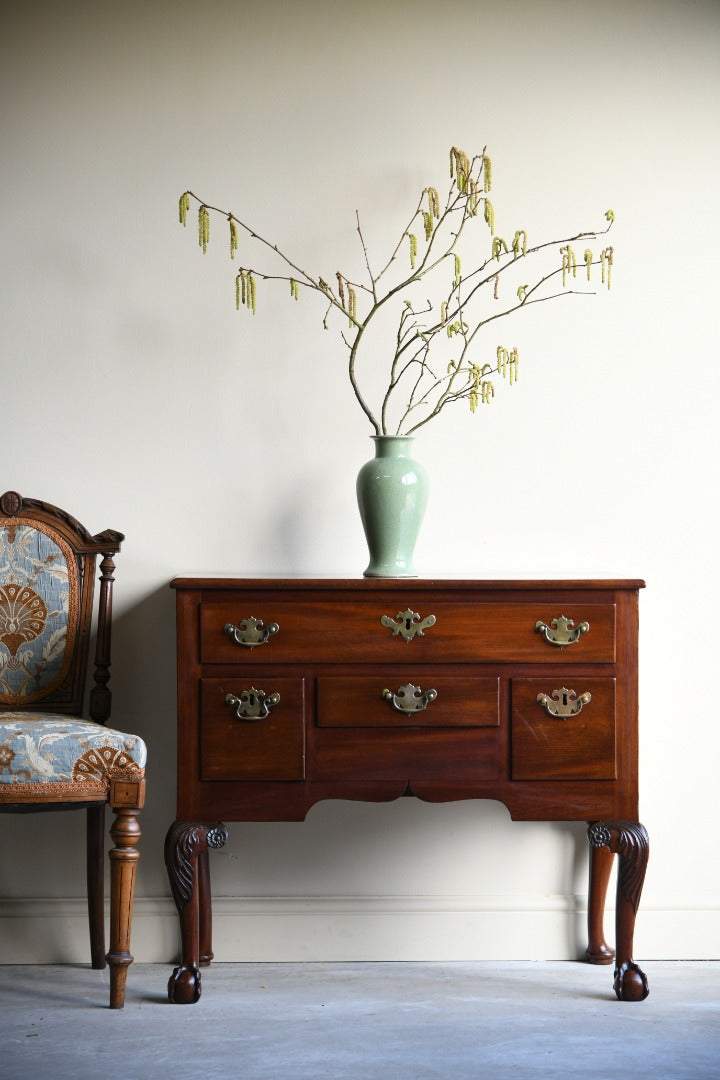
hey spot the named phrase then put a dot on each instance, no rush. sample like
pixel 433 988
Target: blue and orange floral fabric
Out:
pixel 38 612
pixel 60 754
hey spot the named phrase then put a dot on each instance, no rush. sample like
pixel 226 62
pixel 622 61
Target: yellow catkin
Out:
pixel 487 391
pixel 243 287
pixel 183 207
pixel 294 289
pixel 588 261
pixel 341 289
pixel 521 293
pixel 498 247
pixel 458 267
pixel 443 313
pixel 519 243
pixel 502 360
pixel 413 249
pixel 460 168
pixel 428 223
pixel 352 305
pixel 569 262
pixel 252 303
pixel 204 228
pixel 433 201
pixel 473 396
pixel 490 216
pixel 233 237
pixel 474 199
pixel 487 173
pixel 513 366
pixel 606 260
pixel 610 216
pixel 237 292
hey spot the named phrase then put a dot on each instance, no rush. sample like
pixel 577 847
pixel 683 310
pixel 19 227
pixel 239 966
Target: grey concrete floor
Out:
pixel 422 1021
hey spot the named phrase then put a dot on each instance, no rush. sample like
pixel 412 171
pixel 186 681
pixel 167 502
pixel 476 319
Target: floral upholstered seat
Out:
pixel 50 752
pixel 53 754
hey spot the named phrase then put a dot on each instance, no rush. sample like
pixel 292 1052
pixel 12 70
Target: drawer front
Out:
pixel 333 629
pixel 390 700
pixel 571 747
pixel 270 747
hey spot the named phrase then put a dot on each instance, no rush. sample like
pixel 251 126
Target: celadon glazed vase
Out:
pixel 392 495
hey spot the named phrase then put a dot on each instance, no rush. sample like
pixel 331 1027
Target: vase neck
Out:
pixel 392 445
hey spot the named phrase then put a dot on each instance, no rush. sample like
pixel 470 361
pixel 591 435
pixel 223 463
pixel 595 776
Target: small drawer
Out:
pixel 360 701
pixel 270 747
pixel 571 747
pixel 384 630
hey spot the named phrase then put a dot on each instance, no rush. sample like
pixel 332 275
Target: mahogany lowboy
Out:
pixel 293 691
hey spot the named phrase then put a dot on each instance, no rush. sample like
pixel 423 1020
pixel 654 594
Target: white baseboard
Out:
pixel 372 928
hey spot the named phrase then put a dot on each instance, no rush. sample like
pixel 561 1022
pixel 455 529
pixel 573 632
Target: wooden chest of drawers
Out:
pixel 293 691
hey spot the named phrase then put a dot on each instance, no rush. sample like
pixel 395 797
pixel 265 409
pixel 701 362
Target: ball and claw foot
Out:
pixel 184 987
pixel 630 983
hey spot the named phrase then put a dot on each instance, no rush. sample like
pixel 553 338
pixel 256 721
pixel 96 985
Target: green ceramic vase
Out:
pixel 392 494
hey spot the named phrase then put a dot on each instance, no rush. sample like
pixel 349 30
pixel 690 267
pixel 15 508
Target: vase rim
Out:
pixel 392 437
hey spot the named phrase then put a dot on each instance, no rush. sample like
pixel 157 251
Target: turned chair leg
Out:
pixel 601 862
pixel 95 827
pixel 126 799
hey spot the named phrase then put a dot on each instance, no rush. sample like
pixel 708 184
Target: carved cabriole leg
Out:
pixel 598 951
pixel 186 846
pixel 95 825
pixel 126 799
pixel 628 840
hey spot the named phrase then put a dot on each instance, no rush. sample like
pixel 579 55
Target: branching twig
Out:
pixel 434 237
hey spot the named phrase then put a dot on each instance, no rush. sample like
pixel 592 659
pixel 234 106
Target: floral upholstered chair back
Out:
pixel 47 576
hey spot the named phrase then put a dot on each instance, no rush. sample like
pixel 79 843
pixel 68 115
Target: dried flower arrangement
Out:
pixel 476 284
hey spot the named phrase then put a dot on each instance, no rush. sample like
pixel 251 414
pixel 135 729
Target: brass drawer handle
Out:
pixel 252 704
pixel 563 702
pixel 251 632
pixel 409 699
pixel 562 631
pixel 408 623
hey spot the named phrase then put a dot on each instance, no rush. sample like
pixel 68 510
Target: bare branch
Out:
pixel 437 248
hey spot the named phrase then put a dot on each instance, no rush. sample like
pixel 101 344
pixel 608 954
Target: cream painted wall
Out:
pixel 218 442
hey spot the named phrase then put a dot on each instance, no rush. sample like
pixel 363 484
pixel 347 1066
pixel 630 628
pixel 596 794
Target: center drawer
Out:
pixel 398 628
pixel 407 698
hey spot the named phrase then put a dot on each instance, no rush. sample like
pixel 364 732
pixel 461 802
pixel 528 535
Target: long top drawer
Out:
pixel 399 626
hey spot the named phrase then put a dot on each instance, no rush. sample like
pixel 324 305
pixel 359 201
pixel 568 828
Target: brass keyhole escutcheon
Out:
pixel 252 704
pixel 250 632
pixel 563 703
pixel 407 624
pixel 409 698
pixel 562 631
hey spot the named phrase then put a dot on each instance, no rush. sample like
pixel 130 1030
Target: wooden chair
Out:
pixel 50 757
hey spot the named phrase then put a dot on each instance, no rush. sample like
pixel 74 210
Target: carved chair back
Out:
pixel 47 581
